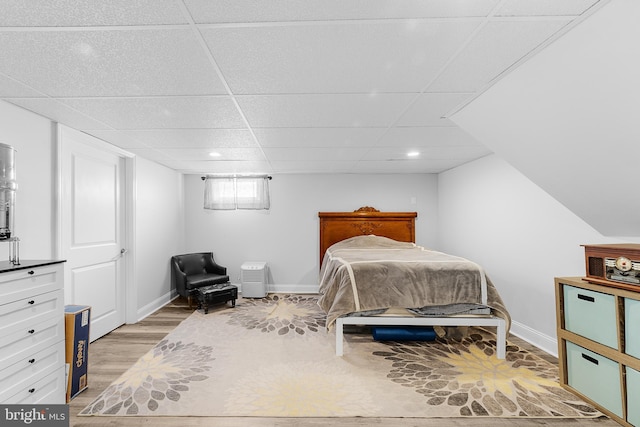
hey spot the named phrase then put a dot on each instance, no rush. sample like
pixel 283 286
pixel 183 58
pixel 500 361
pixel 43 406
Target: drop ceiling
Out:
pixel 272 86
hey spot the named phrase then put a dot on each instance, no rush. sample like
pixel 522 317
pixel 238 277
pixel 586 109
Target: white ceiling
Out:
pixel 272 86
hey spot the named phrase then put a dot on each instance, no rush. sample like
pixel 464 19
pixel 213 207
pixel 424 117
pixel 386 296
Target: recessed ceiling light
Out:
pixel 413 154
pixel 214 154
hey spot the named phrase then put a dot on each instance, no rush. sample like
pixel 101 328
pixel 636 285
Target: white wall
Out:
pixel 492 214
pixel 33 138
pixel 159 232
pixel 568 118
pixel 287 235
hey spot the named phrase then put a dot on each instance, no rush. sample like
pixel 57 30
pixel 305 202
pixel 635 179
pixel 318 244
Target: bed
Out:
pixel 373 273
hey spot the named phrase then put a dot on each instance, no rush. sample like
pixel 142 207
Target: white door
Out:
pixel 92 228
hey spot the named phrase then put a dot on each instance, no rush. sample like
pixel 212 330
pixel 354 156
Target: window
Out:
pixel 236 192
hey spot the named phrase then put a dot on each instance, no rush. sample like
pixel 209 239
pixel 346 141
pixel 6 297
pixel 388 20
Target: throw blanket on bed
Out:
pixel 370 273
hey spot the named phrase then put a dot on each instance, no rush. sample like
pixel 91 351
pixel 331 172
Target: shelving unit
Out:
pixel 598 330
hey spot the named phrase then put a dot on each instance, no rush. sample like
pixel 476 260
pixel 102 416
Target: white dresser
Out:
pixel 32 350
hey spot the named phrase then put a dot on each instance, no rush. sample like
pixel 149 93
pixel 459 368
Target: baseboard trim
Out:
pixel 543 342
pixel 286 289
pixel 293 289
pixel 156 305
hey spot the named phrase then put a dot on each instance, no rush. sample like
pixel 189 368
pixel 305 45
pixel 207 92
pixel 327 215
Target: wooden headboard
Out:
pixel 337 226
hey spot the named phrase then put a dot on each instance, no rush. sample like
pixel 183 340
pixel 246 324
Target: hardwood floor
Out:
pixel 113 354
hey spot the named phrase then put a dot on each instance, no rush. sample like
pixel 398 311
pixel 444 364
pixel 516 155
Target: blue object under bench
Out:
pixel 403 333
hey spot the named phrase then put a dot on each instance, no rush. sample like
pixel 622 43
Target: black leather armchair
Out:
pixel 191 271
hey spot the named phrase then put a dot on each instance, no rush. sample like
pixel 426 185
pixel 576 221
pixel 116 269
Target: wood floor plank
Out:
pixel 111 355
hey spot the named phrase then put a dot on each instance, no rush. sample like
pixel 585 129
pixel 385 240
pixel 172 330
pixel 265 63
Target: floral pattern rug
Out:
pixel 273 357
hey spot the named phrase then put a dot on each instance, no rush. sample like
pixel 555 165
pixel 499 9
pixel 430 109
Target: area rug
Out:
pixel 272 357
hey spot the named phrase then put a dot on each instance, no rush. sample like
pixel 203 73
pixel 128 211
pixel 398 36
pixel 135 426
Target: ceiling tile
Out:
pixel 364 58
pixel 118 138
pixel 203 166
pixel 193 138
pixel 111 63
pixel 153 154
pixel 314 10
pixel 309 87
pixel 461 153
pixel 213 167
pixel 339 110
pixel 10 88
pixel 333 166
pixel 58 112
pixel 430 136
pixel 401 166
pixel 499 45
pixel 389 154
pixel 318 137
pixel 544 7
pixel 162 112
pixel 252 154
pixel 430 108
pixel 314 153
pixel 61 13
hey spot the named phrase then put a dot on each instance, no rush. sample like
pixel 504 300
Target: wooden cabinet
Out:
pixel 32 351
pixel 599 346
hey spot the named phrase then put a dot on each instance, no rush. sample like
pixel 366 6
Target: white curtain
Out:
pixel 252 193
pixel 219 193
pixel 231 192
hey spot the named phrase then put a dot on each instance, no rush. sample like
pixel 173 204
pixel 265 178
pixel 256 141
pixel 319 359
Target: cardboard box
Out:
pixel 76 322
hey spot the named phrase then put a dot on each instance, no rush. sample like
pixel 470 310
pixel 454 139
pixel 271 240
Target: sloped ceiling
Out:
pixel 272 86
pixel 568 119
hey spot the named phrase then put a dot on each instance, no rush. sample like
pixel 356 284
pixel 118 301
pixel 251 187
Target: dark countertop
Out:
pixel 6 266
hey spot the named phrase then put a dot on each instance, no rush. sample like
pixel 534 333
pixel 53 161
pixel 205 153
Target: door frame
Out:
pixel 128 221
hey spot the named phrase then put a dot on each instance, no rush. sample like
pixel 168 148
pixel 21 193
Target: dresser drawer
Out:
pixel 22 313
pixel 23 343
pixel 22 284
pixel 591 314
pixel 28 371
pixel 632 327
pixel 594 376
pixel 48 390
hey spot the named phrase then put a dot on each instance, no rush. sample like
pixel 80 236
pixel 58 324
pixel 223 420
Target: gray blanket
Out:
pixel 371 273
